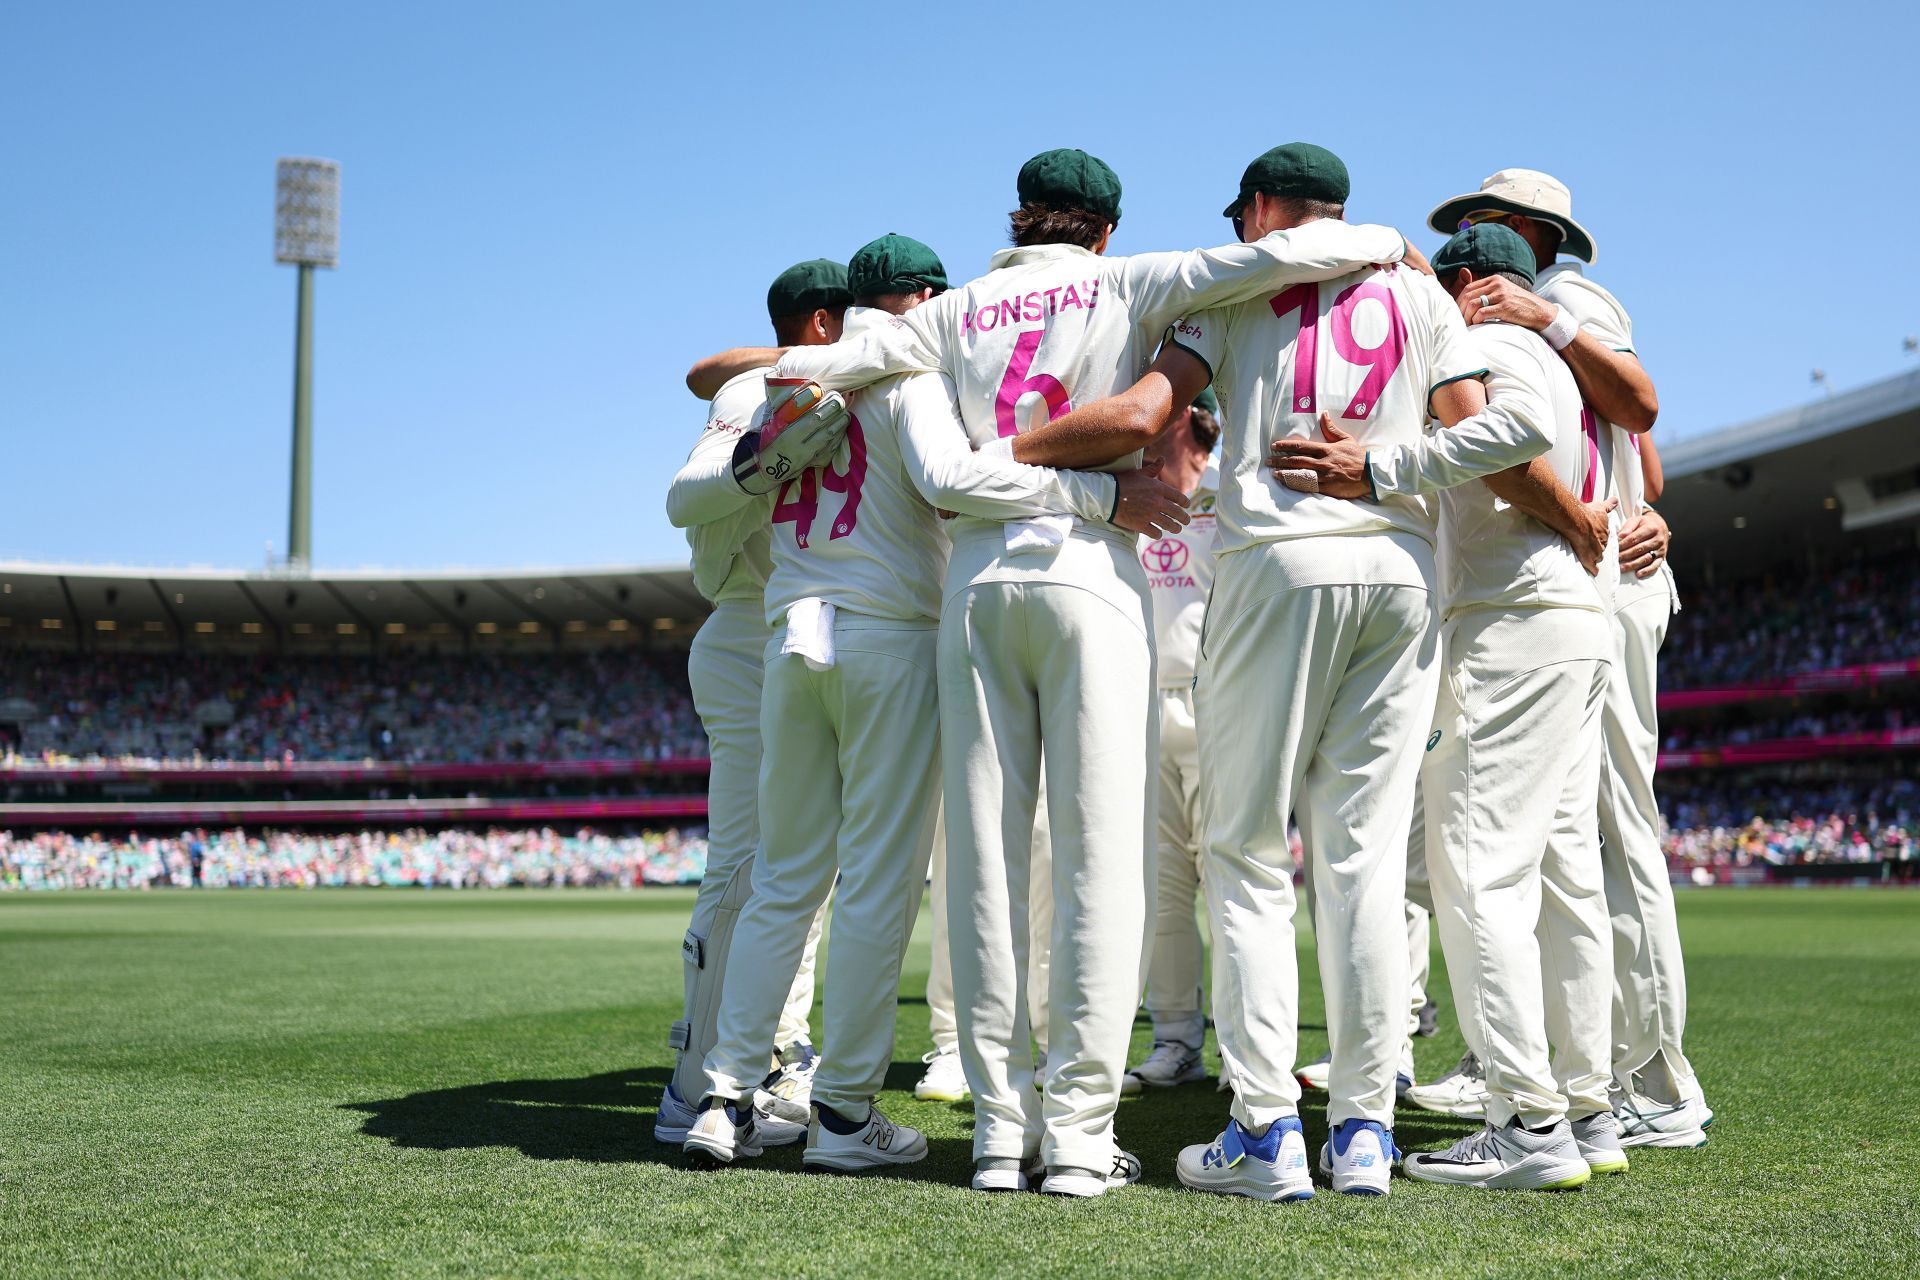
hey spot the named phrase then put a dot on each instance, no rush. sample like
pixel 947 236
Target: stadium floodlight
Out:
pixel 306 234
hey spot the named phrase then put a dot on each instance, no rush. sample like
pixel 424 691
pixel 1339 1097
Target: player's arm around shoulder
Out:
pixel 704 490
pixel 1158 287
pixel 942 465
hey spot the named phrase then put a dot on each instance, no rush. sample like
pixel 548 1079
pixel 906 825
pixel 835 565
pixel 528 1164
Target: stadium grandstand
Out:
pixel 534 727
pixel 185 727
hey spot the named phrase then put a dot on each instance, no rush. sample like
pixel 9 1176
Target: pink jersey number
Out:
pixel 1304 298
pixel 798 503
pixel 1590 427
pixel 848 481
pixel 799 500
pixel 1379 362
pixel 1017 383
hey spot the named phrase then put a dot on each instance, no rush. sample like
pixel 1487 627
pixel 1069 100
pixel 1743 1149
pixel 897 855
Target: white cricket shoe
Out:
pixel 1084 1184
pixel 675 1116
pixel 878 1144
pixel 944 1081
pixel 1316 1073
pixel 1008 1175
pixel 1598 1137
pixel 1509 1158
pixel 1171 1063
pixel 783 1104
pixel 1461 1092
pixel 1647 1123
pixel 1272 1166
pixel 1359 1157
pixel 721 1134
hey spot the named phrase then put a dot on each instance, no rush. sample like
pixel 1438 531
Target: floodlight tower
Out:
pixel 306 233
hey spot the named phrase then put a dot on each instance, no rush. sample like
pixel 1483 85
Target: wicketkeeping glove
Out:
pixel 803 425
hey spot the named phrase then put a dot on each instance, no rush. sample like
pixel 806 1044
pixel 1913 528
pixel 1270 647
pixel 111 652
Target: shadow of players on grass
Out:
pixel 605 1118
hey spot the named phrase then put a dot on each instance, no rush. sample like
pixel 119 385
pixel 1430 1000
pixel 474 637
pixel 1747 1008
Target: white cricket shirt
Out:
pixel 726 527
pixel 1054 326
pixel 1369 347
pixel 1180 574
pixel 1493 556
pixel 860 529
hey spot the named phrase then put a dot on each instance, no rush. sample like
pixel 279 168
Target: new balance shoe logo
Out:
pixel 1364 1162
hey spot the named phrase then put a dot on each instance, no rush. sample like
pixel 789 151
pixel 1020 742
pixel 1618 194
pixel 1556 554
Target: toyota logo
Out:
pixel 1165 556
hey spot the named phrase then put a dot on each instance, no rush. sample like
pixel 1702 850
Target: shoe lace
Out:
pixel 1167 1053
pixel 1477 1145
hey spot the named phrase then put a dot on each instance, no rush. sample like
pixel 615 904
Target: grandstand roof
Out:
pixel 338 608
pixel 1802 480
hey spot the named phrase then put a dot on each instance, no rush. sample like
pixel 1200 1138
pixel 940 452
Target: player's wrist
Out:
pixel 1561 330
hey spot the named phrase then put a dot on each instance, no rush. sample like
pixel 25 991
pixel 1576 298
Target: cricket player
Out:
pixel 849 718
pixel 1512 779
pixel 728 531
pixel 1046 642
pixel 1315 682
pixel 1659 1100
pixel 1180 574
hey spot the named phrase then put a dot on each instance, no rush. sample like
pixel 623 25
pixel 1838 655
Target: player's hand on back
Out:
pixel 1644 543
pixel 1593 526
pixel 1148 504
pixel 1505 301
pixel 1335 466
pixel 1417 260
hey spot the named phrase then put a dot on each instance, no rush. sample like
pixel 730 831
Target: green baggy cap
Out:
pixel 1207 400
pixel 1298 169
pixel 895 264
pixel 1067 178
pixel 1486 249
pixel 808 286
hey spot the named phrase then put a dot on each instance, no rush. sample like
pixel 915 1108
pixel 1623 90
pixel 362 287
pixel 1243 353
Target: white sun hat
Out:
pixel 1525 191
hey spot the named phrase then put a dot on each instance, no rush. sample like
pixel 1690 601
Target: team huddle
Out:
pixel 985 606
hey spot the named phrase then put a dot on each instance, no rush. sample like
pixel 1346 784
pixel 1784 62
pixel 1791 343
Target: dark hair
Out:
pixel 1034 223
pixel 1205 428
pixel 788 330
pixel 892 303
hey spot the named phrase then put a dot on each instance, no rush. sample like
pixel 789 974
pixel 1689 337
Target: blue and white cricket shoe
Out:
pixel 1359 1157
pixel 675 1117
pixel 1272 1166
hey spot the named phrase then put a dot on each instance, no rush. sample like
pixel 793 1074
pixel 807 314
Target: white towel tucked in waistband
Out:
pixel 1041 533
pixel 810 632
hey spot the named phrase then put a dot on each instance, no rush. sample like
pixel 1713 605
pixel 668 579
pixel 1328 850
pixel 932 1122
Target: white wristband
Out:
pixel 1001 447
pixel 1561 330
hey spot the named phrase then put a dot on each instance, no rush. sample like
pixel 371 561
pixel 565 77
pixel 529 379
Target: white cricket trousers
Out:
pixel 1174 998
pixel 1314 700
pixel 1512 852
pixel 1022 663
pixel 1650 978
pixel 945 1029
pixel 848 787
pixel 725 666
pixel 1419 915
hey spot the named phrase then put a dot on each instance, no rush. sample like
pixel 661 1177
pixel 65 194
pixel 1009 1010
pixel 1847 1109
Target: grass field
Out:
pixel 371 1082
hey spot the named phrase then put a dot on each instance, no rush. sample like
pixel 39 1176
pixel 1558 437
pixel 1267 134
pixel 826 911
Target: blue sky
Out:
pixel 549 211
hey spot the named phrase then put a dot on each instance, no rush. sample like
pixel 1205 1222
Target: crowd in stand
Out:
pixel 632 703
pixel 1851 614
pixel 627 703
pixel 302 860
pixel 1711 731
